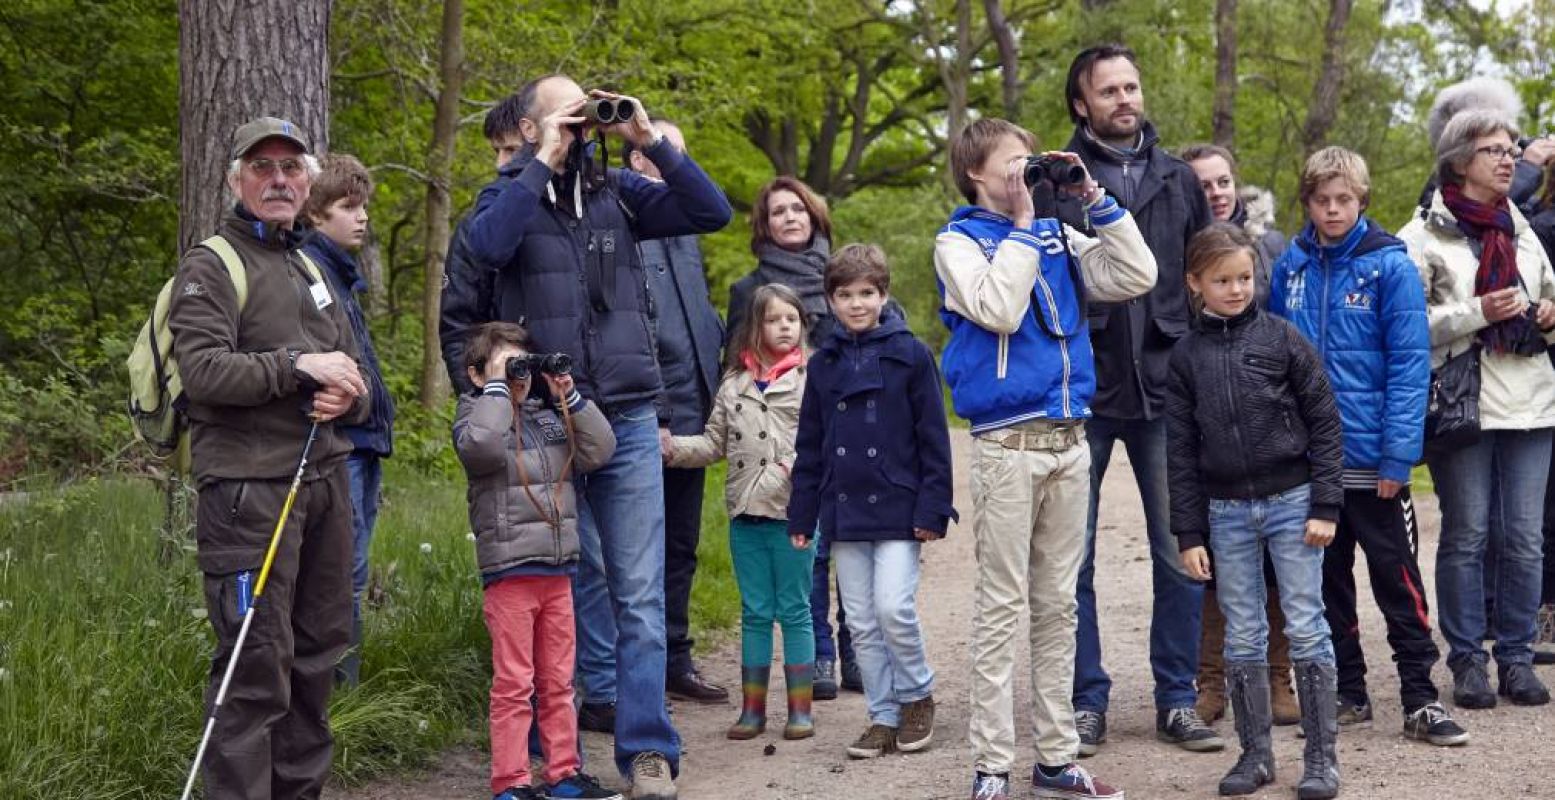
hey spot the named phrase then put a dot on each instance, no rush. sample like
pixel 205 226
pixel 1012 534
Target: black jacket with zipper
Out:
pixel 1249 415
pixel 1133 339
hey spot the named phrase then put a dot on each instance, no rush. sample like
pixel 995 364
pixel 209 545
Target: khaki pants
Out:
pixel 1029 520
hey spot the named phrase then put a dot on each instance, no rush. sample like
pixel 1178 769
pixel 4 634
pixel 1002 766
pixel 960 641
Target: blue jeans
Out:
pixel 827 648
pixel 365 472
pixel 1509 468
pixel 1239 533
pixel 621 529
pixel 1179 600
pixel 877 583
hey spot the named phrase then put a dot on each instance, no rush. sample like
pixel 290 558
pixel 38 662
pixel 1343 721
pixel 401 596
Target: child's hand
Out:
pixel 1320 532
pixel 925 535
pixel 799 540
pixel 1195 561
pixel 1022 211
pixel 1387 490
pixel 561 386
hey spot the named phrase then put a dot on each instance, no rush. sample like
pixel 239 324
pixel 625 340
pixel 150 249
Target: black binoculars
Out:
pixel 519 367
pixel 1053 168
pixel 608 111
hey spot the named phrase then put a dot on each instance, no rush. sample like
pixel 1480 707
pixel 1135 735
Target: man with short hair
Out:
pixel 1132 341
pixel 564 234
pixel 255 371
pixel 688 334
pixel 337 211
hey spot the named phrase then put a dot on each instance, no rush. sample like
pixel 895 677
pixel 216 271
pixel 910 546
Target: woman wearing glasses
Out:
pixel 1489 289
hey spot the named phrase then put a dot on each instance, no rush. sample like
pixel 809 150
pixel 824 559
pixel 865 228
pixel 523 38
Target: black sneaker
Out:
pixel 825 680
pixel 1092 728
pixel 852 679
pixel 1431 723
pixel 597 717
pixel 1518 684
pixel 1353 716
pixel 1471 687
pixel 691 687
pixel 1182 727
pixel 579 786
pixel 518 793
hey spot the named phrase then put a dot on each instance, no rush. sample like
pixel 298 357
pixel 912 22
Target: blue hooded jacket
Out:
pixel 376 435
pixel 1361 304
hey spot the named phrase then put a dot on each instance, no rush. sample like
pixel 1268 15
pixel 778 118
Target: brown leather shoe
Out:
pixel 1211 704
pixel 690 686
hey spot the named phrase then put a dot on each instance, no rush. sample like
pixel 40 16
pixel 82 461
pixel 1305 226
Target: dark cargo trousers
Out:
pixel 272 738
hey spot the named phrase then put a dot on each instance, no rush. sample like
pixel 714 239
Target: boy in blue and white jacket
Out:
pixel 1020 368
pixel 1351 288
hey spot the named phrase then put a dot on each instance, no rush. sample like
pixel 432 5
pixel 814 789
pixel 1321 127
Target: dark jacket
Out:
pixel 1249 415
pixel 578 285
pixel 247 409
pixel 1543 224
pixel 873 450
pixel 1133 339
pixel 469 299
pixel 1360 302
pixel 688 331
pixel 376 435
pixel 526 520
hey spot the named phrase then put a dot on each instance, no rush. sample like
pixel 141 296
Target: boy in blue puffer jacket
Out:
pixel 1351 288
pixel 1020 370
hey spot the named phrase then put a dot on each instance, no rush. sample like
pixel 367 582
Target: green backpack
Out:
pixel 157 401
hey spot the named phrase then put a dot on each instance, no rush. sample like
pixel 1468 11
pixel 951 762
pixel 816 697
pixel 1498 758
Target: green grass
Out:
pixel 104 652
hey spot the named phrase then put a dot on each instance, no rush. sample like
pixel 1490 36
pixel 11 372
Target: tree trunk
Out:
pixel 1224 116
pixel 440 159
pixel 371 260
pixel 1325 93
pixel 1009 57
pixel 237 60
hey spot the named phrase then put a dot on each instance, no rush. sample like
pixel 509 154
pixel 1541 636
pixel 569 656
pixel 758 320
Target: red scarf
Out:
pixel 792 359
pixel 1491 226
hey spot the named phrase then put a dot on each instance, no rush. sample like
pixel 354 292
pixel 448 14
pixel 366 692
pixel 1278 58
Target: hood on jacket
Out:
pixel 891 324
pixel 1366 237
pixel 337 260
pixel 1254 209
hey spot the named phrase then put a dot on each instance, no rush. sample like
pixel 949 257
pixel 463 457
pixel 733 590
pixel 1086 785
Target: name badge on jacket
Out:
pixel 321 296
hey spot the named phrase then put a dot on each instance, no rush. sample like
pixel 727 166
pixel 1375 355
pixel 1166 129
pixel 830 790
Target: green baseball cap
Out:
pixel 253 132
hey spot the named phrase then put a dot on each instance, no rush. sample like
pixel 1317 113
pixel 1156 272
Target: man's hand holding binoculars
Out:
pixel 610 113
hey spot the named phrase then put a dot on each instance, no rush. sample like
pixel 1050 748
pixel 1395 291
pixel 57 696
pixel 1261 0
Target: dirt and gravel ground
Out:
pixel 1512 754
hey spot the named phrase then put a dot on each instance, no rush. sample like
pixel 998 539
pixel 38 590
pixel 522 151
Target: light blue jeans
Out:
pixel 1239 532
pixel 621 529
pixel 877 583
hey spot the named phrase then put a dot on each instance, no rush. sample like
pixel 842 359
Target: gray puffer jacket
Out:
pixel 522 507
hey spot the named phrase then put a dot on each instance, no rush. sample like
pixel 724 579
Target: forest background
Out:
pixel 115 118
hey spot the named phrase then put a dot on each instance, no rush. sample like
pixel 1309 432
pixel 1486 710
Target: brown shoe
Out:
pixel 690 686
pixel 917 729
pixel 877 741
pixel 1211 704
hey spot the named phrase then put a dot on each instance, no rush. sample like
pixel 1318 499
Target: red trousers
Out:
pixel 530 620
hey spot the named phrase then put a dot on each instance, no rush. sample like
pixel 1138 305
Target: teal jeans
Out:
pixel 774 581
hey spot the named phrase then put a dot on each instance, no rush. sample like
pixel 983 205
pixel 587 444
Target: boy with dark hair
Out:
pixel 873 471
pixel 1352 289
pixel 337 210
pixel 1020 370
pixel 519 455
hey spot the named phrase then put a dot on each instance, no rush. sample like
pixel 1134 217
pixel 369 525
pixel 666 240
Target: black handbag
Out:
pixel 1452 409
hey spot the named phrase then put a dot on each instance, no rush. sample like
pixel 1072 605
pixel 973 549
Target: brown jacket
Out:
pixel 247 414
pixel 527 517
pixel 755 430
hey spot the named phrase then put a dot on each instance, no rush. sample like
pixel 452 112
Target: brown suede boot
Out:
pixel 1212 662
pixel 1281 699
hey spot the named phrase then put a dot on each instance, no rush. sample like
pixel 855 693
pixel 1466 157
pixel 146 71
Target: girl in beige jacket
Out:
pixel 754 420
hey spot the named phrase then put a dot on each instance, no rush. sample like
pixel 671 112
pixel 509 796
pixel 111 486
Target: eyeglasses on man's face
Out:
pixel 266 167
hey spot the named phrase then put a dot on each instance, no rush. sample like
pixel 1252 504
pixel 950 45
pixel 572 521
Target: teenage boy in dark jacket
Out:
pixel 1132 340
pixel 873 470
pixel 570 273
pixel 1352 289
pixel 337 210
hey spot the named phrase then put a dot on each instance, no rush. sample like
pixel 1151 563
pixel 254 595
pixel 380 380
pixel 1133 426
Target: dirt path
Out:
pixel 1512 754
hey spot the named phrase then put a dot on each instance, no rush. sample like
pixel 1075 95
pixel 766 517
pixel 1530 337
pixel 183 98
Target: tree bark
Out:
pixel 1324 107
pixel 440 159
pixel 1223 118
pixel 237 60
pixel 1009 57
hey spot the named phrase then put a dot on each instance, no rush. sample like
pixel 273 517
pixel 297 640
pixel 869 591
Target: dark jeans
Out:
pixel 1386 530
pixel 1178 604
pixel 826 648
pixel 682 530
pixel 272 738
